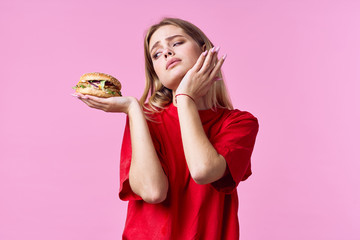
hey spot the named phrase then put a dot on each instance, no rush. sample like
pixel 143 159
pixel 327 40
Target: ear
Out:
pixel 204 47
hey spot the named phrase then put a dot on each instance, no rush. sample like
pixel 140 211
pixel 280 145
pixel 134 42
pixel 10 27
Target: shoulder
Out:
pixel 157 117
pixel 238 123
pixel 152 113
pixel 237 116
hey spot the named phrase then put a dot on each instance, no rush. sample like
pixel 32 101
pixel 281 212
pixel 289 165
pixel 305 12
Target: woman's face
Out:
pixel 169 43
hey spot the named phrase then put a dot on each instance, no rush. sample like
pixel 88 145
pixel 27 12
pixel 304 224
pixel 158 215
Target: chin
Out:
pixel 173 81
pixel 171 85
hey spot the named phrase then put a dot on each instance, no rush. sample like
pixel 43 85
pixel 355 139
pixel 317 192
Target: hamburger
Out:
pixel 99 85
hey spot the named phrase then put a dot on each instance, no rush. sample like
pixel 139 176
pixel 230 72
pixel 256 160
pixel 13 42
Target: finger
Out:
pixel 208 61
pixel 76 94
pixel 214 61
pixel 80 95
pixel 99 102
pixel 93 104
pixel 95 100
pixel 217 68
pixel 200 61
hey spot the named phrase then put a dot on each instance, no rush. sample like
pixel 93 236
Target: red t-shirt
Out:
pixel 191 210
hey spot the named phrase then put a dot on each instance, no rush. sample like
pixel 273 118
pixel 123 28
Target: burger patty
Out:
pixel 96 84
pixel 107 83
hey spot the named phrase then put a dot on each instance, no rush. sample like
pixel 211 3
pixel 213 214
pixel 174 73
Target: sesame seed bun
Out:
pixel 111 89
pixel 100 76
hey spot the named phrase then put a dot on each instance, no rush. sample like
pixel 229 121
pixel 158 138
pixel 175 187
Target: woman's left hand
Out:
pixel 202 75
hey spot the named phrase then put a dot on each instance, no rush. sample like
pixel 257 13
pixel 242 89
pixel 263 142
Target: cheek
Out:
pixel 194 55
pixel 157 68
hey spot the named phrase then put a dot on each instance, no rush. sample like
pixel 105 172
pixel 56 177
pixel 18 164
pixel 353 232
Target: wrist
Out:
pixel 134 105
pixel 184 96
pixel 185 102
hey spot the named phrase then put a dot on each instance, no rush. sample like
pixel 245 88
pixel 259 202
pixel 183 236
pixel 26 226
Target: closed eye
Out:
pixel 177 43
pixel 155 56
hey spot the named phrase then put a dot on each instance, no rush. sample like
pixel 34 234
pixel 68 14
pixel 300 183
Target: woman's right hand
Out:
pixel 146 175
pixel 111 104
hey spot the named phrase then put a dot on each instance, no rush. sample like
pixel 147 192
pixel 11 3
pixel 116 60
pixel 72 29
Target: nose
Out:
pixel 168 52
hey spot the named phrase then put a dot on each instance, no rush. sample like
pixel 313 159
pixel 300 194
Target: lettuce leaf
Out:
pixel 102 84
pixel 77 86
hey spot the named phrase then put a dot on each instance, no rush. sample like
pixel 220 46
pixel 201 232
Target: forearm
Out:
pixel 204 163
pixel 147 178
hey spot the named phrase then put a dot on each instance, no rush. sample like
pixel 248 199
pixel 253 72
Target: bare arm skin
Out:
pixel 204 163
pixel 146 177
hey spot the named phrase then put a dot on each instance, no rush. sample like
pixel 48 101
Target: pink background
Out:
pixel 293 64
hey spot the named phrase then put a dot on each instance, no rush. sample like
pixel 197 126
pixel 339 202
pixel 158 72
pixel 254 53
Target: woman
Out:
pixel 185 149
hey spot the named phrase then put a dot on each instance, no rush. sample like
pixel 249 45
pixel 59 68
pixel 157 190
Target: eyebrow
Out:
pixel 168 38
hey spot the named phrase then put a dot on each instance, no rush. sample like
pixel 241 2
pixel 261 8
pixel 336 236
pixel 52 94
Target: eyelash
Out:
pixel 155 57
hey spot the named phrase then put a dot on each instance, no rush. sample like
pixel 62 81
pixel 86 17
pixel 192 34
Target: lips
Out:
pixel 171 61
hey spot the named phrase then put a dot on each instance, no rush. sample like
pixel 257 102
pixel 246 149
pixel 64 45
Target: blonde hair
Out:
pixel 160 96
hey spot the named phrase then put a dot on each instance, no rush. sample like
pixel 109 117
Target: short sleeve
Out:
pixel 235 142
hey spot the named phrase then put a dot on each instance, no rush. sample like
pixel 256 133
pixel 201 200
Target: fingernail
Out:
pixel 217 49
pixel 204 53
pixel 74 95
pixel 218 79
pixel 213 49
pixel 224 56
